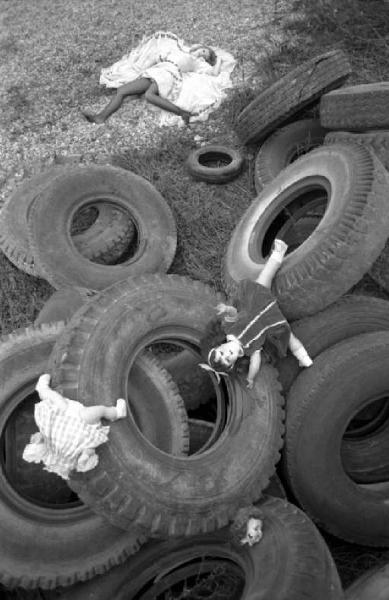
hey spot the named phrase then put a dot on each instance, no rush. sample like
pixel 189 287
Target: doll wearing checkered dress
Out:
pixel 255 320
pixel 68 432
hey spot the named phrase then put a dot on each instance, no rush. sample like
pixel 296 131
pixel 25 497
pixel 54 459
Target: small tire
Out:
pixel 31 555
pixel 291 562
pixel 283 147
pixel 129 485
pixel 356 108
pixel 51 216
pixel 286 97
pixel 198 161
pixel 321 403
pixel 347 241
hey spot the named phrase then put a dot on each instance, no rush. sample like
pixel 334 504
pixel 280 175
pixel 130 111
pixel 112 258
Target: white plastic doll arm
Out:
pixel 255 364
pixel 46 393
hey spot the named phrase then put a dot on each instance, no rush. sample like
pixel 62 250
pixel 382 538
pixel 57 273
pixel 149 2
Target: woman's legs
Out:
pixel 153 97
pixel 298 350
pixel 94 414
pixel 272 264
pixel 134 88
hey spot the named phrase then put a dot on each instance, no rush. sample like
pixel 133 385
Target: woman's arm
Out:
pixel 217 66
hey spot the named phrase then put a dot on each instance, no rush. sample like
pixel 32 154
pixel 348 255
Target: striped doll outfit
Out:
pixel 259 320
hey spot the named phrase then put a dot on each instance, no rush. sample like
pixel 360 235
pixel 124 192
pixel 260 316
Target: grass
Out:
pixel 51 53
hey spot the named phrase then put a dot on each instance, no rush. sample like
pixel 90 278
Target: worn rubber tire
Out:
pixel 194 384
pixel 377 141
pixel 373 585
pixel 357 107
pixel 196 164
pixel 347 241
pixel 62 304
pixel 107 238
pixel 350 316
pixel 104 240
pixel 167 432
pixel 284 99
pixel 134 482
pixel 199 433
pixel 284 146
pixel 13 220
pixel 31 555
pixel 291 562
pixel 320 404
pixel 50 219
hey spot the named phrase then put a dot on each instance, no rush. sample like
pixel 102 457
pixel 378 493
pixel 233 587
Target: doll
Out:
pixel 69 432
pixel 242 331
pixel 247 526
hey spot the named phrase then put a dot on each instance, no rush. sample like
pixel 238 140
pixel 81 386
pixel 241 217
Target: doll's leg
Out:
pixel 134 88
pixel 153 97
pixel 94 414
pixel 299 351
pixel 272 264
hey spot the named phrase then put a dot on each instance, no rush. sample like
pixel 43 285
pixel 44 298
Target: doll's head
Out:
pixel 224 356
pixel 221 355
pixel 247 527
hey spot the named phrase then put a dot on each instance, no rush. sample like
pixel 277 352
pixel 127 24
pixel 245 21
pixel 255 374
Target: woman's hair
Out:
pixel 212 54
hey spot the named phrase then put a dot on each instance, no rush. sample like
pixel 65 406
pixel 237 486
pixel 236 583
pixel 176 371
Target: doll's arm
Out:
pixel 255 364
pixel 46 393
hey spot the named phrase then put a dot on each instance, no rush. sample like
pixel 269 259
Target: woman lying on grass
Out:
pixel 244 330
pixel 161 81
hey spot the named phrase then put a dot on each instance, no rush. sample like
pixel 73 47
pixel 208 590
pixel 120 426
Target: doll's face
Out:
pixel 228 353
pixel 253 532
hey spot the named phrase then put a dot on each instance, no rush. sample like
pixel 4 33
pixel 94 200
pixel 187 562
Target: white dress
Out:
pixel 185 80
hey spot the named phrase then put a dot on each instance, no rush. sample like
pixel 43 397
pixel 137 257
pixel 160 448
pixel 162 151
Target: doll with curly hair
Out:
pixel 242 331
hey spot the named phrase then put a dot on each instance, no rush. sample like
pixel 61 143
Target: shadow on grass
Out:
pixel 205 214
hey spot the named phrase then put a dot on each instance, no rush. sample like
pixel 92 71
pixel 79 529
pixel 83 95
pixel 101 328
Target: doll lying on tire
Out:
pixel 69 432
pixel 242 331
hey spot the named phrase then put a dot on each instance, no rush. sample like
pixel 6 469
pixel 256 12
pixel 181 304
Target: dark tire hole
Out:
pixel 214 160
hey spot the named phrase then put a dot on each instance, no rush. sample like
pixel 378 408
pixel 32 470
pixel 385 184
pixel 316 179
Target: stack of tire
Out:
pixel 152 520
pixel 161 475
pixel 323 186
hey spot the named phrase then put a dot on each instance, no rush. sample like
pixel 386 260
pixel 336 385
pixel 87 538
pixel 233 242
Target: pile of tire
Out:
pixel 158 516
